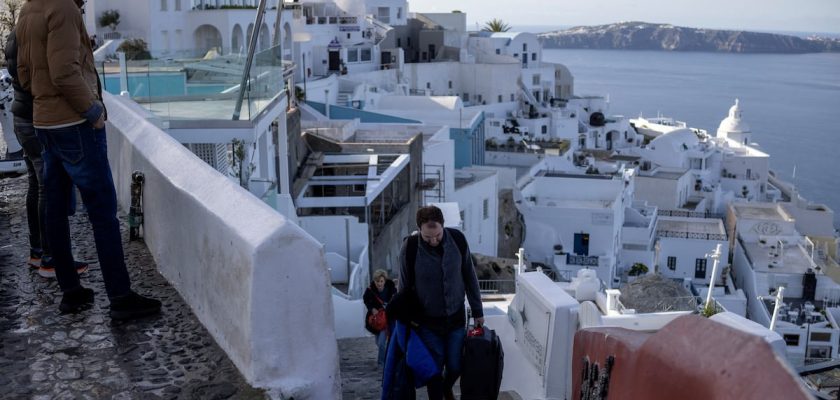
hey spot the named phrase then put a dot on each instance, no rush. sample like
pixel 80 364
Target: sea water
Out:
pixel 791 102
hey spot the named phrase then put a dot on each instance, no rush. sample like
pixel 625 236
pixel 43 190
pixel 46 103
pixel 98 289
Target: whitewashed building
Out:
pixel 185 28
pixel 770 254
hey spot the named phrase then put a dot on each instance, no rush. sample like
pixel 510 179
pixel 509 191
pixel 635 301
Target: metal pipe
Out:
pixel 252 47
pixel 780 295
pixel 716 260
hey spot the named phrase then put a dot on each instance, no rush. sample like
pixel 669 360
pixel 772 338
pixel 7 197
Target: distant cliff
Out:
pixel 646 36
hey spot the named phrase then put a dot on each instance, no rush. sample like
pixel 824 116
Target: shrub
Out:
pixel 110 18
pixel 135 49
pixel 638 269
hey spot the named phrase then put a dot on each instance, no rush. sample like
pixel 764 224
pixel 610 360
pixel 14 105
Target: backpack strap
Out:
pixel 412 241
pixel 459 239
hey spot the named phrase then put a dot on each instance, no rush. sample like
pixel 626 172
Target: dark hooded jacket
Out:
pixel 22 105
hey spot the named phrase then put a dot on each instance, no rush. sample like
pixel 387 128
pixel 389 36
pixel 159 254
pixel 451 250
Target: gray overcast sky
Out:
pixel 774 15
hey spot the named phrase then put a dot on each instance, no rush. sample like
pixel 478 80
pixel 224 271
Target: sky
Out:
pixel 760 15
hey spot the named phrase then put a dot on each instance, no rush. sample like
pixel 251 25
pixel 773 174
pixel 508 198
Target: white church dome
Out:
pixel 733 123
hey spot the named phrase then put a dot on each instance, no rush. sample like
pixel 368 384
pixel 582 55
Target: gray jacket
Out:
pixel 442 282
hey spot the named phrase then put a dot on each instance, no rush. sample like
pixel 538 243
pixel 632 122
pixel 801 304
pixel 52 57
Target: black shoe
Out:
pixel 76 300
pixel 133 305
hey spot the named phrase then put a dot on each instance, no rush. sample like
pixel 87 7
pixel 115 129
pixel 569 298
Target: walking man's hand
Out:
pixel 100 123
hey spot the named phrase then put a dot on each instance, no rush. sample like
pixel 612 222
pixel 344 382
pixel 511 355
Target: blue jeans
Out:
pixel 79 155
pixel 382 345
pixel 446 350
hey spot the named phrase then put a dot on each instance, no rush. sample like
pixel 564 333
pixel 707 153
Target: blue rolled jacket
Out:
pixel 408 364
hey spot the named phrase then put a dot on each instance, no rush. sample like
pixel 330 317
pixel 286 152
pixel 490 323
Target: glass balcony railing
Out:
pixel 191 88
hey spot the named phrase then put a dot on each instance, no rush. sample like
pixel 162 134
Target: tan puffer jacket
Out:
pixel 55 63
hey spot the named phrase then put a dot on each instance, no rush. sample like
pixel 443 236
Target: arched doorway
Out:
pixel 611 136
pixel 265 38
pixel 237 41
pixel 207 38
pixel 287 42
pixel 250 33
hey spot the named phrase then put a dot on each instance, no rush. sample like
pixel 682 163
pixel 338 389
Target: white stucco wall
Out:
pixel 481 232
pixel 257 282
pixel 686 252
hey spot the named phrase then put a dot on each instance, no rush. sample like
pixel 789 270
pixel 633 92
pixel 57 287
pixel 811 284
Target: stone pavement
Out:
pixel 46 355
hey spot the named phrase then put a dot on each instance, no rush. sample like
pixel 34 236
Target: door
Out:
pixel 700 268
pixel 582 244
pixel 335 61
pixel 386 59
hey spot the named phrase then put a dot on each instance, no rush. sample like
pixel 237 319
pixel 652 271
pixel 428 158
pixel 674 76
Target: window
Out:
pixel 177 5
pixel 428 85
pixel 700 268
pixel 352 55
pixel 465 97
pixel 672 263
pixel 512 98
pixel 424 56
pixel 408 39
pixel 820 337
pixel 478 98
pixel 533 56
pixel 399 42
pixel 365 55
pixel 535 80
pixel 524 46
pixel 792 340
pixel 163 5
pixel 348 36
pixel 544 129
pixel 498 51
pixel 399 12
pixel 450 84
pixel 500 98
pixel 486 208
pixel 384 14
pixel 516 55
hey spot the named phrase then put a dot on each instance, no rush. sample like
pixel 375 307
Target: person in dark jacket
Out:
pixel 376 298
pixel 39 250
pixel 442 275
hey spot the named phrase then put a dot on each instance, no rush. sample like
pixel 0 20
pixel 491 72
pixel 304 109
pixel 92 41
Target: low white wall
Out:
pixel 349 317
pixel 256 281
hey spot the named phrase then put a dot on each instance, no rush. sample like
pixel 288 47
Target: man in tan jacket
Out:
pixel 55 64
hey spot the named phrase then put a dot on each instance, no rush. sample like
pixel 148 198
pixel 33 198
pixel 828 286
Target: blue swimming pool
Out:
pixel 159 85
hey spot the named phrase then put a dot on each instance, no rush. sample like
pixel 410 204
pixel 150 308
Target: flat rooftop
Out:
pixel 691 225
pixel 792 260
pixel 764 211
pixel 466 177
pixel 568 203
pixel 552 174
pixel 659 174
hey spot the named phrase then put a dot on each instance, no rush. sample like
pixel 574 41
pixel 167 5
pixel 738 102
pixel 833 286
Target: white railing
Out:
pixel 257 282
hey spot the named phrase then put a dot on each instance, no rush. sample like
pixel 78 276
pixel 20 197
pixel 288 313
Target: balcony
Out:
pixel 585 261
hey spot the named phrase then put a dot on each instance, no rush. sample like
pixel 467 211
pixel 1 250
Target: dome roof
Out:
pixel 733 123
pixel 667 149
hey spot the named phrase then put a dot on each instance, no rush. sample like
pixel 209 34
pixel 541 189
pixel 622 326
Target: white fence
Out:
pixel 257 282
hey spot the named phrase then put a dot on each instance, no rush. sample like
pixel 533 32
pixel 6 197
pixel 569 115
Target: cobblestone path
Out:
pixel 46 355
